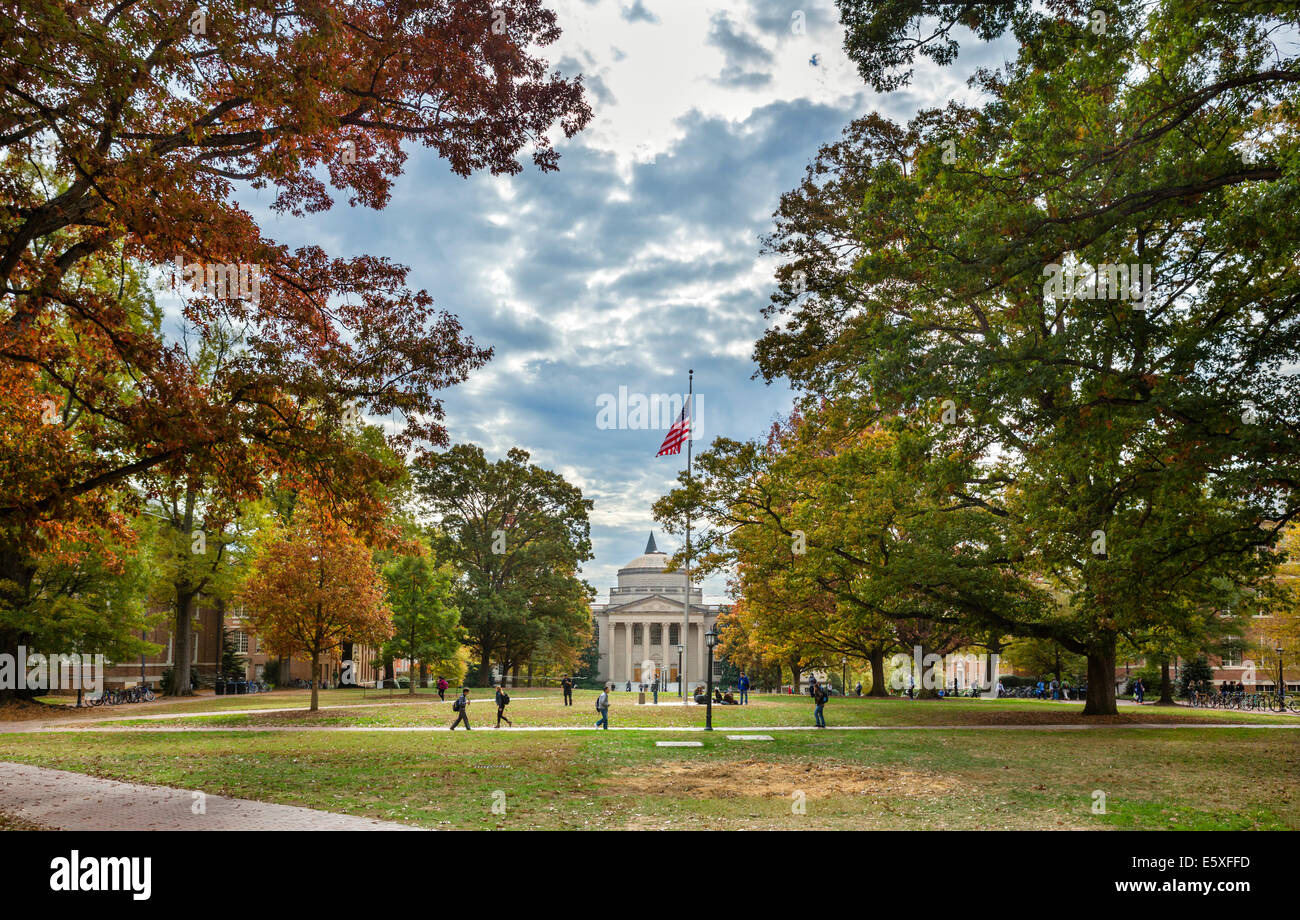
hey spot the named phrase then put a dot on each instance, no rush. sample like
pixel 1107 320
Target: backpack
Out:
pixel 598 704
pixel 822 696
pixel 505 698
pixel 458 704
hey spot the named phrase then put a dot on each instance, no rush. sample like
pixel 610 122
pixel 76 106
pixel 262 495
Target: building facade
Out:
pixel 640 630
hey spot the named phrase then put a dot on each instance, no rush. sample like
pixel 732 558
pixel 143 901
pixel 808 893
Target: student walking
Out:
pixel 602 707
pixel 460 706
pixel 567 686
pixel 858 689
pixel 820 696
pixel 442 689
pixel 654 688
pixel 503 700
pixel 743 686
pixel 1139 691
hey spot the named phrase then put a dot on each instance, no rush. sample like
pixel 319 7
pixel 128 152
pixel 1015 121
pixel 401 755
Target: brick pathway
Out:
pixel 73 801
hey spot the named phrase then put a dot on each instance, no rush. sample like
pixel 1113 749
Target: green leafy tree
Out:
pixel 517 534
pixel 1127 448
pixel 425 621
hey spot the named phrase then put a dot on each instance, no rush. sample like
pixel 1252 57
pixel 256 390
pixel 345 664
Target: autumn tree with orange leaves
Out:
pixel 314 587
pixel 126 132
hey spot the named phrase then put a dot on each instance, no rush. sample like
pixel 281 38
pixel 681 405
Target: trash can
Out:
pixel 241 686
pixel 220 687
pixel 640 698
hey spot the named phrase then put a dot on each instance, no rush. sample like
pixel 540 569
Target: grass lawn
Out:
pixel 542 707
pixel 1234 778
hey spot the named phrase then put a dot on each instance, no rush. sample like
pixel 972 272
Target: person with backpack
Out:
pixel 602 707
pixel 820 697
pixel 442 689
pixel 743 686
pixel 858 689
pixel 503 700
pixel 567 686
pixel 1139 691
pixel 460 706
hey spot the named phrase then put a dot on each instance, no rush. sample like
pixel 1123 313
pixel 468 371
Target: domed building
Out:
pixel 638 632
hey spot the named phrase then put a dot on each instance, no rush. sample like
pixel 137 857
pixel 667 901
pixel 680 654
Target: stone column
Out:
pixel 627 674
pixel 663 656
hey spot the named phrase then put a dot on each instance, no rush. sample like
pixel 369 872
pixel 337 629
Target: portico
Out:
pixel 641 626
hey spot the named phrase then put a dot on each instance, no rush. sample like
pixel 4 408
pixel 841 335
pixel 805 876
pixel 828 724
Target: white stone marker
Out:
pixel 679 744
pixel 749 738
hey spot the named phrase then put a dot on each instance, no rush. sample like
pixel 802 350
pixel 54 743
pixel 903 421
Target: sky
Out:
pixel 641 257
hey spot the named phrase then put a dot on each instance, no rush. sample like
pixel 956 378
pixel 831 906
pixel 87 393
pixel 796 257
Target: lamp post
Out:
pixel 681 684
pixel 710 640
pixel 844 678
pixel 1281 681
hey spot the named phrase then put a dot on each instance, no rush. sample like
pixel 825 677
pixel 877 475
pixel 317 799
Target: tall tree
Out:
pixel 314 586
pixel 1132 441
pixel 425 620
pixel 133 152
pixel 518 534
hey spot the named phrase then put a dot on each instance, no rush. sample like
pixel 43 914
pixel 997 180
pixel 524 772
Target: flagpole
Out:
pixel 686 608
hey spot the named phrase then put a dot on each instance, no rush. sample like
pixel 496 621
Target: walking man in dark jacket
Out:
pixel 567 686
pixel 820 696
pixel 743 686
pixel 503 700
pixel 460 705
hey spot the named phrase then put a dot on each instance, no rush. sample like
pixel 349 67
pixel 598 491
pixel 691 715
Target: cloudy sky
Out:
pixel 640 258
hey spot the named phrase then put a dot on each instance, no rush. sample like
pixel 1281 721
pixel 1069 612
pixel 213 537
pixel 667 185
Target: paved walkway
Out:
pixel 112 714
pixel 73 801
pixel 721 729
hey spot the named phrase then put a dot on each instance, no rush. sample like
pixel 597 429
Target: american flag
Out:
pixel 677 434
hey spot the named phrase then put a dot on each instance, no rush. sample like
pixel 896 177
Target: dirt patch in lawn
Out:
pixel 29 710
pixel 760 778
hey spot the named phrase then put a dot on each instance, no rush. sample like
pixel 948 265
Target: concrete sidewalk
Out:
pixel 73 801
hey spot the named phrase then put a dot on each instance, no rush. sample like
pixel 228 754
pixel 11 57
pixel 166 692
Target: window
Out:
pixel 638 634
pixel 240 641
pixel 674 634
pixel 656 633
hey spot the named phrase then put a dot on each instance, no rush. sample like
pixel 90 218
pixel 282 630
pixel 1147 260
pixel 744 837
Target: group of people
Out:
pixel 460 705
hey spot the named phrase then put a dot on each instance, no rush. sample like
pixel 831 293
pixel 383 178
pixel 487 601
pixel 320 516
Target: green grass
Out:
pixel 543 708
pixel 1152 778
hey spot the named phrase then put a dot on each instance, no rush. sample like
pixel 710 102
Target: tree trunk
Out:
pixel 182 644
pixel 484 670
pixel 315 682
pixel 795 673
pixel 424 674
pixel 389 673
pixel 878 686
pixel 1101 680
pixel 1166 686
pixel 16 575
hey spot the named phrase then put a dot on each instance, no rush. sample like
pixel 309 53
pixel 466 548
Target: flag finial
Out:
pixel 650 546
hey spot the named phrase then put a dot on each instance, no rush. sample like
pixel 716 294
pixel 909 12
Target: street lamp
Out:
pixel 844 680
pixel 681 684
pixel 1281 682
pixel 710 640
